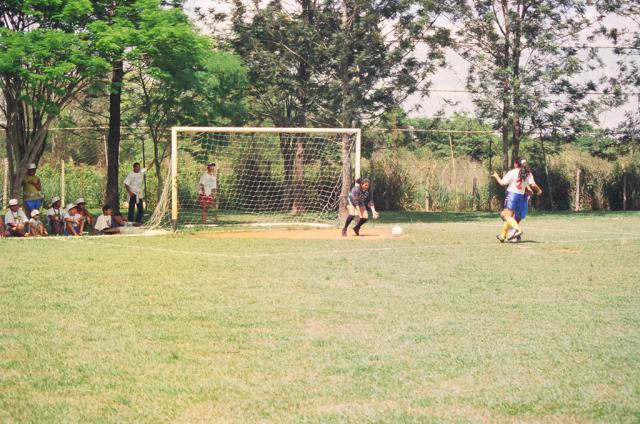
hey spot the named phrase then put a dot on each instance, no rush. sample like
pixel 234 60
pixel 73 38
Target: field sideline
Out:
pixel 442 325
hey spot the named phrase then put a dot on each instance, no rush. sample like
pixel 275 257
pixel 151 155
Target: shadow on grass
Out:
pixel 436 217
pixel 426 217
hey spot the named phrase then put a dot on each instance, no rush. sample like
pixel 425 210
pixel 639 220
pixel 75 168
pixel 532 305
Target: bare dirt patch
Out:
pixel 304 234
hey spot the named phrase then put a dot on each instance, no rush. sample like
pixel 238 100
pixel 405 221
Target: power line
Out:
pixel 594 93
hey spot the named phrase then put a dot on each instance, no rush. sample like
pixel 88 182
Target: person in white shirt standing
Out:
pixel 208 190
pixel 519 181
pixel 15 220
pixel 134 183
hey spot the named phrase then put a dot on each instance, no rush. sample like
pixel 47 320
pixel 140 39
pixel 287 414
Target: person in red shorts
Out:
pixel 207 190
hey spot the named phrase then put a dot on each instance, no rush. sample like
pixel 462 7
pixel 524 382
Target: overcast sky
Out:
pixel 453 77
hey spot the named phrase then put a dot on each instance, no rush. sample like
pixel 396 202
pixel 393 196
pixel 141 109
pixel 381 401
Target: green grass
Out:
pixel 445 325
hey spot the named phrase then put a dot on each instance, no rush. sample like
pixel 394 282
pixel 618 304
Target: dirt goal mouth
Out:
pixel 369 234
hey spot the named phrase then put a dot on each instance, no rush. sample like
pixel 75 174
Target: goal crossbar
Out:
pixel 357 132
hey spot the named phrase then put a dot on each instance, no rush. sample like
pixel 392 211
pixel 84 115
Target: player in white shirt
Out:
pixel 15 220
pixel 36 227
pixel 105 223
pixel 519 182
pixel 207 190
pixel 134 184
pixel 73 221
pixel 55 216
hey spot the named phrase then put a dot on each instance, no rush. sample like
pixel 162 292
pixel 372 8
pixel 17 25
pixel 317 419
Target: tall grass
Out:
pixel 421 181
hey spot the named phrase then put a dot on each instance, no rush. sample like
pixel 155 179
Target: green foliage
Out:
pixel 523 75
pixel 324 62
pixel 48 54
pixel 406 179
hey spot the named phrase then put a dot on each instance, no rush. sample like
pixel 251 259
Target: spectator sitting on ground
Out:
pixel 105 223
pixel 15 220
pixel 118 220
pixel 73 221
pixel 36 227
pixel 31 187
pixel 55 217
pixel 81 205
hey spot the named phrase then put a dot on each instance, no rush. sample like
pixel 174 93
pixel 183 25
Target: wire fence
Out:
pixel 419 170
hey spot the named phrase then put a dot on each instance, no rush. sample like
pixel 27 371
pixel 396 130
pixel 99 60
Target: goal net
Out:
pixel 262 176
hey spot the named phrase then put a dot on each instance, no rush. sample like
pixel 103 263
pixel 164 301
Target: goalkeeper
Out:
pixel 360 198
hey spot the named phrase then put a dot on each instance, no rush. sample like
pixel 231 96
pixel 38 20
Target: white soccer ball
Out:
pixel 396 231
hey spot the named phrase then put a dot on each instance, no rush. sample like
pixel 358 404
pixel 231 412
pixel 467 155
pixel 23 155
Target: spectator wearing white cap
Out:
pixel 73 221
pixel 55 215
pixel 15 220
pixel 31 187
pixel 81 205
pixel 36 227
pixel 133 183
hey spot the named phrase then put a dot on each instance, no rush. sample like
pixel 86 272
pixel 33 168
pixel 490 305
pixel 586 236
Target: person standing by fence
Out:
pixel 31 187
pixel 207 189
pixel 133 183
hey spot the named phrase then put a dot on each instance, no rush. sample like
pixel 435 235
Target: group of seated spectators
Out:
pixel 74 220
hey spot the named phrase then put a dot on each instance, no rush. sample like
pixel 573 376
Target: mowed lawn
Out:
pixel 442 325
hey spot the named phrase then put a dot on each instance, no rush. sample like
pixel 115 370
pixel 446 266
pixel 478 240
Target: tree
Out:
pixel 48 54
pixel 525 56
pixel 169 89
pixel 335 63
pixel 152 32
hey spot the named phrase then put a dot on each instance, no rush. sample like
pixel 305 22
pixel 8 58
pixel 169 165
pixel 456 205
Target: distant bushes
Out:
pixel 404 178
pixel 418 180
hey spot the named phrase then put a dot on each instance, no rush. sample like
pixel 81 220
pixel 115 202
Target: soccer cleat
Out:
pixel 500 239
pixel 356 230
pixel 344 232
pixel 516 235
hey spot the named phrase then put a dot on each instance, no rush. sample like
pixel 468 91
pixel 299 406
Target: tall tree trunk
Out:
pixel 113 139
pixel 504 124
pixel 157 162
pixel 298 176
pixel 346 115
pixel 26 135
pixel 286 149
pixel 506 94
pixel 516 88
pixel 301 116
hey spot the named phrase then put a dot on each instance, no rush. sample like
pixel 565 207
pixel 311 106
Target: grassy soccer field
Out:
pixel 442 325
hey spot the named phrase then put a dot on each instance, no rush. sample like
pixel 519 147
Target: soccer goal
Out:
pixel 262 176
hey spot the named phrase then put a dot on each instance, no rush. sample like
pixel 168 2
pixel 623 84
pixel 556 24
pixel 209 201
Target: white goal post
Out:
pixel 322 140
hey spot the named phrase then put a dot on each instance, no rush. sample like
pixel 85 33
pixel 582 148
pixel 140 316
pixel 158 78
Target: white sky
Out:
pixel 453 77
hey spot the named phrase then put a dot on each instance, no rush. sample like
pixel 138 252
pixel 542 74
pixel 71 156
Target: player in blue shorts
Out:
pixel 516 202
pixel 360 198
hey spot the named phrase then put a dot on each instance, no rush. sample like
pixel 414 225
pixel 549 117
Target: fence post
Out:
pixel 453 167
pixel 106 154
pixel 577 200
pixel 474 194
pixel 5 182
pixel 624 190
pixel 62 183
pixel 546 173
